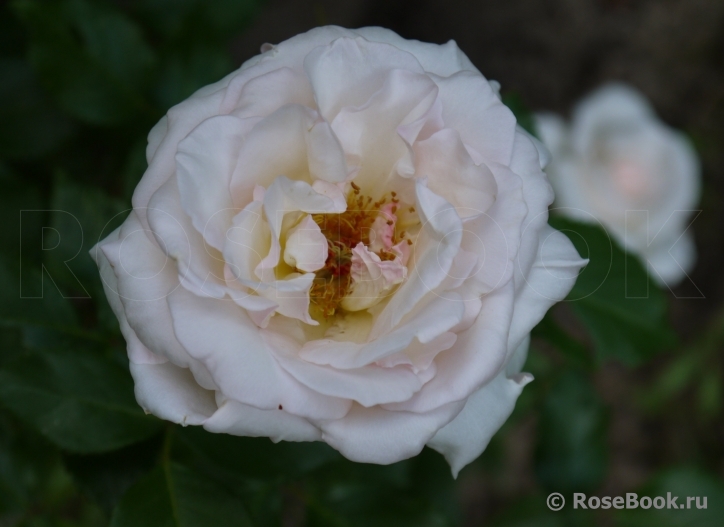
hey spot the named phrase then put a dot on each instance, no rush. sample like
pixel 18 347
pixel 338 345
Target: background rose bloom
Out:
pixel 345 240
pixel 617 163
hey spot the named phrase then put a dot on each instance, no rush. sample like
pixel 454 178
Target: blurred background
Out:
pixel 81 84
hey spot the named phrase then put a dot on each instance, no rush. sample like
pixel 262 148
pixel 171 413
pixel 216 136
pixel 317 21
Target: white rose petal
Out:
pixel 306 246
pixel 617 164
pixel 345 240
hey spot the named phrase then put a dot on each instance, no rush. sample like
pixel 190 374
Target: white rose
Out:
pixel 617 163
pixel 345 240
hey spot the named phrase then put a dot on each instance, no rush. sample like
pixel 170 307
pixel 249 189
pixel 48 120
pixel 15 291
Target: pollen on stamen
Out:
pixel 343 232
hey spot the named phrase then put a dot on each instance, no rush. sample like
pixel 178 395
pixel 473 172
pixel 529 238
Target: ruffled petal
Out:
pixel 369 134
pixel 349 70
pixel 478 355
pixel 451 173
pixel 172 393
pixel 293 141
pixel 222 337
pixel 372 278
pixel 375 435
pixel 145 277
pixel 549 280
pixel 368 385
pixel 240 419
pixel 287 54
pixel 433 258
pixel 205 162
pixel 432 321
pixel 494 236
pixel 266 93
pixel 440 59
pixel 137 352
pixel 175 126
pixel 464 439
pixel 471 107
pixel 306 247
pixel 200 267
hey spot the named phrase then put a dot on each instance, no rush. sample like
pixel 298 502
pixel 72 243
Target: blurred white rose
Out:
pixel 345 240
pixel 617 163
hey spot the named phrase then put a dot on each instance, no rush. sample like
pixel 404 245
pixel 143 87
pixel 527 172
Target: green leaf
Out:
pixel 26 461
pixel 571 454
pixel 175 496
pixel 532 511
pixel 198 19
pixel 416 492
pixel 250 457
pixel 91 58
pixel 81 216
pixel 80 400
pixel 574 351
pixel 107 477
pixel 681 482
pixel 710 393
pixel 27 293
pixel 30 126
pixel 32 298
pixel 113 40
pixel 185 70
pixel 623 310
pixel 18 196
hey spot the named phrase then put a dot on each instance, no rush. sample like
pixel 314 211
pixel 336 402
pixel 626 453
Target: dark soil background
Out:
pixel 551 53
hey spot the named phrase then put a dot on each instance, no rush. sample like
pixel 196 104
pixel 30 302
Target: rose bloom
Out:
pixel 618 164
pixel 346 241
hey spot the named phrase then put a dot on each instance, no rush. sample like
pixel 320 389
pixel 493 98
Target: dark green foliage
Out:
pixel 614 297
pixel 571 451
pixel 81 84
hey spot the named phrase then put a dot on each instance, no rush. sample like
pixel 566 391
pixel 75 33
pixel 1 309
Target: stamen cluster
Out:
pixel 343 232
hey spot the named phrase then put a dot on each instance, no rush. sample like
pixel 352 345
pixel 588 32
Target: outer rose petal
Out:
pixel 236 418
pixel 145 277
pixel 137 352
pixel 179 121
pixel 442 60
pixel 374 435
pixel 477 356
pixel 172 393
pixel 465 438
pixel 452 173
pixel 200 267
pixel 552 276
pixel 471 107
pixel 671 259
pixel 368 132
pixel 220 335
pixel 205 163
pixel 367 385
pixel 349 70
